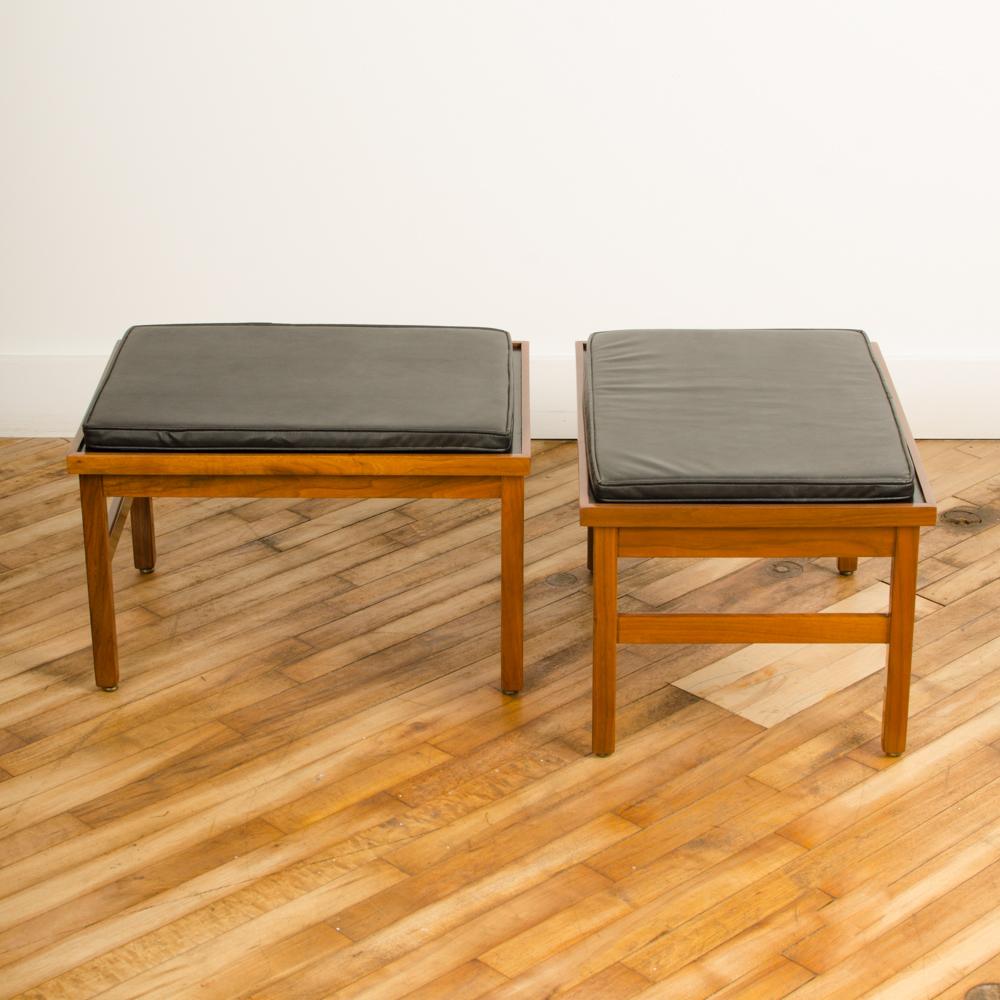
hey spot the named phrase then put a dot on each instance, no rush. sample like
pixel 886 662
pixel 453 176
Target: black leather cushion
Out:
pixel 271 387
pixel 741 415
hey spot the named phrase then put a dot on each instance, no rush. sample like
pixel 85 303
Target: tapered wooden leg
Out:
pixel 846 565
pixel 512 584
pixel 605 638
pixel 590 549
pixel 902 608
pixel 143 535
pixel 100 586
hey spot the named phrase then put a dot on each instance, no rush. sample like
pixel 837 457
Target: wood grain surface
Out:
pixel 311 784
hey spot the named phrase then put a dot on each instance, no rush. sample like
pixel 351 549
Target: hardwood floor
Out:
pixel 309 783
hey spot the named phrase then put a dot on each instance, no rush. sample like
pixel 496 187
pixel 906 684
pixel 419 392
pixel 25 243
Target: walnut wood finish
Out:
pixel 708 628
pixel 844 531
pixel 297 463
pixel 512 584
pixel 605 638
pixel 320 486
pixel 100 587
pixel 118 515
pixel 760 543
pixel 902 603
pixel 143 535
pixel 137 477
pixel 669 515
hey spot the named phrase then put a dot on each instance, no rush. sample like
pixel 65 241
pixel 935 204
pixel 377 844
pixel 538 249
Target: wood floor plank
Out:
pixel 855 920
pixel 746 956
pixel 615 981
pixel 183 558
pixel 869 832
pixel 455 947
pixel 943 940
pixel 69 789
pixel 944 699
pixel 965 581
pixel 564 785
pixel 182 819
pixel 185 971
pixel 987 974
pixel 9 742
pixel 778 978
pixel 911 772
pixel 469 981
pixel 50 930
pixel 35 839
pixel 134 707
pixel 481 895
pixel 225 895
pixel 652 920
pixel 262 963
pixel 768 683
pixel 562 929
pixel 920 843
pixel 716 925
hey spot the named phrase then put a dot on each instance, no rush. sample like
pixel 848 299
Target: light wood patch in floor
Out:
pixel 309 784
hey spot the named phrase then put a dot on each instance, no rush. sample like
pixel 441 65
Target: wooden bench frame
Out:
pixel 134 478
pixel 844 531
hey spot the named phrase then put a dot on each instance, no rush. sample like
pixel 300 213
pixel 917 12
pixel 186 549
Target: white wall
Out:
pixel 549 166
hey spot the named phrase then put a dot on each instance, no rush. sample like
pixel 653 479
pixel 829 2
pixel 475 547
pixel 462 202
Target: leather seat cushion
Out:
pixel 741 415
pixel 271 387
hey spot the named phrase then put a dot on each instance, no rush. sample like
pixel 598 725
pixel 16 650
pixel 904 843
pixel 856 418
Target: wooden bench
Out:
pixel 828 398
pixel 255 410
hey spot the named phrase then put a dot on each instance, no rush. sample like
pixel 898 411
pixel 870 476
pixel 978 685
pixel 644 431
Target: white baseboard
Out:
pixel 943 398
pixel 553 397
pixel 45 395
